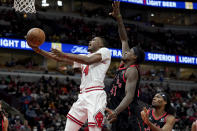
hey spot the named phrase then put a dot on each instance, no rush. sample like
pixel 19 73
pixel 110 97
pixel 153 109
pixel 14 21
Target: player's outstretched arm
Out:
pixel 121 28
pixel 88 60
pixel 51 56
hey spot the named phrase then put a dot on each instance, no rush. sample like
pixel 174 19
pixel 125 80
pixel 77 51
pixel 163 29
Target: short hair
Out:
pixel 139 53
pixel 168 108
pixel 103 41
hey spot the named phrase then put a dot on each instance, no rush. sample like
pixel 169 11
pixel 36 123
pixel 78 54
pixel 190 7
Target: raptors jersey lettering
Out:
pixel 160 122
pixel 129 119
pixel 117 92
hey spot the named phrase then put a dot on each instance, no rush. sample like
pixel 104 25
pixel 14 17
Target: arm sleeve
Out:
pixel 105 53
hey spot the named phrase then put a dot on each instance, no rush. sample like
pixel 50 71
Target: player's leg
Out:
pixel 121 124
pixel 72 126
pixel 76 116
pixel 136 123
pixel 136 126
pixel 96 112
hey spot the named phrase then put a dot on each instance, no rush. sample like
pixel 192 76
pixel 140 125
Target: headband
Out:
pixel 164 96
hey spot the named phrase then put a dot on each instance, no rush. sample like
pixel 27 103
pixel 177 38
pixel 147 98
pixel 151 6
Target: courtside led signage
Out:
pixel 80 49
pixel 164 4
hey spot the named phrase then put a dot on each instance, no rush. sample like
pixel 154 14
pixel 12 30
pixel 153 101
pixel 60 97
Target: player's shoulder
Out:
pixel 131 73
pixel 104 52
pixel 104 49
pixel 131 70
pixel 170 118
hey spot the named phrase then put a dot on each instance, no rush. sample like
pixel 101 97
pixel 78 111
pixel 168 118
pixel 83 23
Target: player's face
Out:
pixel 158 101
pixel 129 55
pixel 94 44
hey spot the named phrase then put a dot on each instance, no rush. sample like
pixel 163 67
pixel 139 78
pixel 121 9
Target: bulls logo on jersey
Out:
pixel 99 118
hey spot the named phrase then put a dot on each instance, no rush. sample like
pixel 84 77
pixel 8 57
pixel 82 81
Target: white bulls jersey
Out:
pixel 92 99
pixel 93 75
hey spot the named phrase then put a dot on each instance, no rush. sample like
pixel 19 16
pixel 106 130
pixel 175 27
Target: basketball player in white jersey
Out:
pixel 91 101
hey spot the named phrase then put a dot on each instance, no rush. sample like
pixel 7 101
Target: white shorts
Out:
pixel 91 106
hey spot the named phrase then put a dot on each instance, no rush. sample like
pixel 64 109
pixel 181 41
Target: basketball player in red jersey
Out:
pixel 124 112
pixel 161 116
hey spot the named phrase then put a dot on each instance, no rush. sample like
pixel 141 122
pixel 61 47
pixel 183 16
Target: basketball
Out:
pixel 35 37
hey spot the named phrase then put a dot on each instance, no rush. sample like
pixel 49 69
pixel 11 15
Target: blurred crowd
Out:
pixel 161 74
pixel 148 74
pixel 80 31
pixel 46 102
pixel 27 63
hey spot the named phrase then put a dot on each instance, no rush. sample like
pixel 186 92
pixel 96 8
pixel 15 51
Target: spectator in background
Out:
pixel 17 125
pixel 25 127
pixel 192 76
